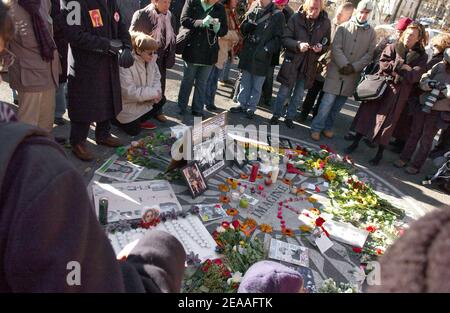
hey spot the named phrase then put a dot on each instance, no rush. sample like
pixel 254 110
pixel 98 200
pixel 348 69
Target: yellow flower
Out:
pixel 312 200
pixel 266 228
pixel 330 175
pixel 305 228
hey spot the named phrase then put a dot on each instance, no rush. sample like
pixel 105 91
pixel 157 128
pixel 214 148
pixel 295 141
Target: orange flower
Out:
pixel 266 228
pixel 248 226
pixel 232 212
pixel 301 191
pixel 250 222
pixel 224 199
pixel 224 188
pixel 259 176
pixel 305 228
pixel 312 200
pixel 244 176
pixel 229 181
pixel 288 232
pixel 287 181
pixel 315 211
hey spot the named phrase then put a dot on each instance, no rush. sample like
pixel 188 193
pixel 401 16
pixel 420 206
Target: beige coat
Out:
pixel 30 73
pixel 140 84
pixel 354 45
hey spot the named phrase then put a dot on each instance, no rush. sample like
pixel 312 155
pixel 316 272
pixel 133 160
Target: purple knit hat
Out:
pixel 270 277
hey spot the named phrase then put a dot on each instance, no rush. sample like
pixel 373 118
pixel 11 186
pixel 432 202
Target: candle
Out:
pixel 242 189
pixel 275 172
pixel 243 203
pixel 254 172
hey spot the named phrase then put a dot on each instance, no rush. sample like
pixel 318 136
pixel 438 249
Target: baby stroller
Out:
pixel 442 175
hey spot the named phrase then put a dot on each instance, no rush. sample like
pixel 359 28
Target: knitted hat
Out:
pixel 364 5
pixel 419 260
pixel 270 277
pixel 281 2
pixel 403 23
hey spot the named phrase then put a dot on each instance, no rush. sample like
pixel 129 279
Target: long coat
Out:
pixel 29 73
pixel 203 45
pixel 303 65
pixel 377 119
pixel 93 79
pixel 354 45
pixel 253 57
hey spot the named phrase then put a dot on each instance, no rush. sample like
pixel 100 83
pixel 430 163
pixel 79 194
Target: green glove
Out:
pixel 207 21
pixel 216 27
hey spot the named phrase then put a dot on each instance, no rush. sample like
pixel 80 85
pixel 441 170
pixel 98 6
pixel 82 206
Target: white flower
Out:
pixel 235 278
pixel 220 229
pixel 134 143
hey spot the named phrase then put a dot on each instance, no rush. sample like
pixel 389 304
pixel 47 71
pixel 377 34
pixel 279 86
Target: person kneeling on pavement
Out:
pixel 141 86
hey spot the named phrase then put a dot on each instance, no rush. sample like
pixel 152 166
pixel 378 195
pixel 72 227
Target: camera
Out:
pixel 432 96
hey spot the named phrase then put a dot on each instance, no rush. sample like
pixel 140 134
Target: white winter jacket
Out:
pixel 140 84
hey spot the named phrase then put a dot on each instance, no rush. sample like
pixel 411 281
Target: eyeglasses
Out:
pixel 7 59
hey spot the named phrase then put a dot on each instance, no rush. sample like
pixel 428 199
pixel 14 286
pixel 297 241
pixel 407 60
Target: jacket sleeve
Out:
pixel 337 48
pixel 273 45
pixel 223 23
pixel 368 55
pixel 423 84
pixel 55 243
pixel 387 60
pixel 123 32
pixel 78 35
pixel 288 38
pixel 131 91
pixel 412 74
pixel 186 16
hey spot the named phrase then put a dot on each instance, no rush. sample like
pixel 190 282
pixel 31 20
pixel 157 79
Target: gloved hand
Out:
pixel 126 59
pixel 216 27
pixel 347 70
pixel 115 45
pixel 207 21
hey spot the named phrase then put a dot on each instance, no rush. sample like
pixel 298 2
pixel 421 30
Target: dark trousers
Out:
pixel 79 131
pixel 133 128
pixel 310 99
pixel 266 94
pixel 423 129
pixel 444 140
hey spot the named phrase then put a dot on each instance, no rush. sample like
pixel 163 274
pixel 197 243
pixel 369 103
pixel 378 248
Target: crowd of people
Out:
pixel 113 64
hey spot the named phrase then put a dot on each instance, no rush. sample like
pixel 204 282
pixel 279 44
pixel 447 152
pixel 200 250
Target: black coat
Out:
pixel 203 46
pixel 176 7
pixel 60 39
pixel 303 65
pixel 93 79
pixel 253 57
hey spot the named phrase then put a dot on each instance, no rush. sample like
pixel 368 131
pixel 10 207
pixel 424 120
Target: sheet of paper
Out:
pixel 323 243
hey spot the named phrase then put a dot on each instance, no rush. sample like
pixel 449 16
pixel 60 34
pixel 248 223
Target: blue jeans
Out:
pixel 328 109
pixel 225 74
pixel 211 85
pixel 198 74
pixel 61 103
pixel 283 93
pixel 250 90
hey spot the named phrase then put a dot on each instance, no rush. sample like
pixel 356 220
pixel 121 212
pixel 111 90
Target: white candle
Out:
pixel 274 176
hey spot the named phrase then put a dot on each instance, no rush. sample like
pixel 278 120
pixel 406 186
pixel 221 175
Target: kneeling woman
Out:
pixel 140 85
pixel 404 63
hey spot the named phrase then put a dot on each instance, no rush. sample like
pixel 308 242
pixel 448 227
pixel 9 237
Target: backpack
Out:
pixel 12 135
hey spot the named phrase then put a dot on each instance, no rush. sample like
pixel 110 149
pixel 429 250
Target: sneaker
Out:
pixel 274 120
pixel 237 109
pixel 225 82
pixel 328 133
pixel 315 136
pixel 212 108
pixel 249 114
pixel 289 123
pixel 147 125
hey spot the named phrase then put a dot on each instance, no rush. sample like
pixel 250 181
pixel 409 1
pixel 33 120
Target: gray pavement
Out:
pixel 425 197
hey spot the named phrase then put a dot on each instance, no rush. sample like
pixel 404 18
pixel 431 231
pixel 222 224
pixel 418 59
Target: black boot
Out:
pixel 376 160
pixel 350 149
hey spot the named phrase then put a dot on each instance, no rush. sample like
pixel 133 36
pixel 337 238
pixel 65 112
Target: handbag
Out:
pixel 371 87
pixel 185 35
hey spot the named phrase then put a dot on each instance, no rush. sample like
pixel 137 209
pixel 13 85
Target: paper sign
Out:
pixel 311 186
pixel 323 243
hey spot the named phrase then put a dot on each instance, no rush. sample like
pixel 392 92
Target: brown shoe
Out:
pixel 411 170
pixel 82 152
pixel 315 136
pixel 161 117
pixel 110 142
pixel 328 133
pixel 399 163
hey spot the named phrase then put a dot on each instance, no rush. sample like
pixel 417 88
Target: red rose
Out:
pixel 317 189
pixel 379 251
pixel 218 261
pixel 236 224
pixel 357 250
pixel 371 229
pixel 320 221
pixel 225 225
